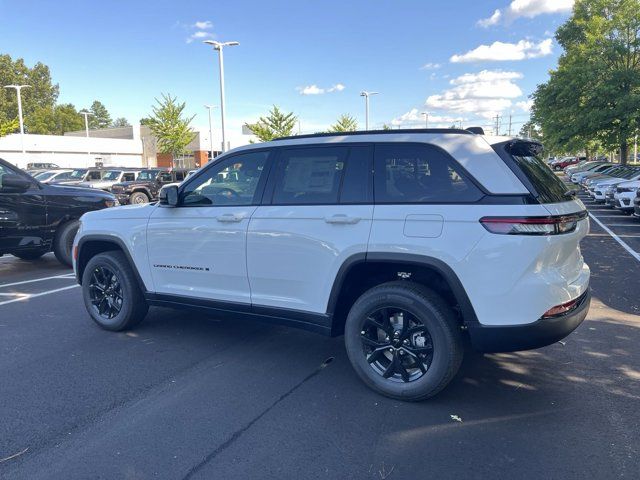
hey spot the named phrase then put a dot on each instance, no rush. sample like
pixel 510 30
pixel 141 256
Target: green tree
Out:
pixel 41 93
pixel 145 121
pixel 593 97
pixel 531 130
pixel 345 123
pixel 100 117
pixel 55 120
pixel 170 127
pixel 8 126
pixel 276 124
pixel 121 122
pixel 386 127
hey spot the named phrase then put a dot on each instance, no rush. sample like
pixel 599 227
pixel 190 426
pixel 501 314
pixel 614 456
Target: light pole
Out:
pixel 18 92
pixel 366 96
pixel 86 127
pixel 426 119
pixel 219 46
pixel 210 107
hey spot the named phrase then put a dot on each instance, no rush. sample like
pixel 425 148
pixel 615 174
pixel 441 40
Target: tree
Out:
pixel 55 120
pixel 386 127
pixel 100 117
pixel 145 121
pixel 593 97
pixel 8 126
pixel 121 122
pixel 345 123
pixel 276 124
pixel 170 127
pixel 530 130
pixel 41 93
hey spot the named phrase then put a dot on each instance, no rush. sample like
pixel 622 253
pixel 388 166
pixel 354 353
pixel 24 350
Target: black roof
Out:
pixel 377 132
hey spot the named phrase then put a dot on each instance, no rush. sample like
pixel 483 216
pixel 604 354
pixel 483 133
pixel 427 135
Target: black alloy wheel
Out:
pixel 105 292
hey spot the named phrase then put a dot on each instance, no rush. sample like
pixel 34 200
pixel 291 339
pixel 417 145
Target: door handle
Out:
pixel 341 219
pixel 230 217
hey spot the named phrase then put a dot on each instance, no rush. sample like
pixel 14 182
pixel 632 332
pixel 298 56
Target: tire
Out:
pixel 63 241
pixel 29 254
pixel 100 271
pixel 138 198
pixel 434 325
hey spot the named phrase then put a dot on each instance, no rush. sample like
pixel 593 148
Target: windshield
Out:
pixel 549 187
pixel 77 174
pixel 148 175
pixel 112 175
pixel 42 176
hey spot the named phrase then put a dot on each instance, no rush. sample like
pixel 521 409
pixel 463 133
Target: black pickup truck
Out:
pixel 36 218
pixel 146 187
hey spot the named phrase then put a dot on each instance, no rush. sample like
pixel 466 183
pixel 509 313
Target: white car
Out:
pixel 50 176
pixel 405 241
pixel 599 190
pixel 592 170
pixel 623 195
pixel 110 178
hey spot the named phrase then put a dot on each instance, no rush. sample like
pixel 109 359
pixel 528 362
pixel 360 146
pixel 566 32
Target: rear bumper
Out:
pixel 541 333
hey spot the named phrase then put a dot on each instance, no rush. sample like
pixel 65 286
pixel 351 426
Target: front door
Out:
pixel 198 249
pixel 22 216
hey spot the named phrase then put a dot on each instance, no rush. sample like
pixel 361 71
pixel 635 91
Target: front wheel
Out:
pixel 403 341
pixel 138 198
pixel 111 293
pixel 63 241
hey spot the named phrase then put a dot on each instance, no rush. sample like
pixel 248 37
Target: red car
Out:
pixel 567 161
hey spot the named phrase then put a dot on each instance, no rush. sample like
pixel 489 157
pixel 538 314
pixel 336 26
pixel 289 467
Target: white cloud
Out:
pixel 316 90
pixel 492 20
pixel 430 66
pixel 203 25
pixel 484 94
pixel 200 35
pixel 527 9
pixel 415 119
pixel 525 106
pixel 501 51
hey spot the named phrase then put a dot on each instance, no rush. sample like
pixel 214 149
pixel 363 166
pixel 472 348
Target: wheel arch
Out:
pixel 360 272
pixel 91 245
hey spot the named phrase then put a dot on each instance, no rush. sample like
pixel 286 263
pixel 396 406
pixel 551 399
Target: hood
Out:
pixel 61 189
pixel 629 184
pixel 141 211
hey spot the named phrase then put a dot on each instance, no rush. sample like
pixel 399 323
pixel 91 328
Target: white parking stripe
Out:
pixel 33 295
pixel 65 276
pixel 623 225
pixel 631 251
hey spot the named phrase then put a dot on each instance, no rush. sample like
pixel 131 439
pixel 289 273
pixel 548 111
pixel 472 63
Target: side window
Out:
pixel 128 177
pixel 356 186
pixel 165 177
pixel 179 176
pixel 419 174
pixel 95 175
pixel 309 176
pixel 233 181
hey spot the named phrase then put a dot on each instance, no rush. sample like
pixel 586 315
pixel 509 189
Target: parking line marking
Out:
pixel 33 295
pixel 613 216
pixel 631 251
pixel 66 275
pixel 623 225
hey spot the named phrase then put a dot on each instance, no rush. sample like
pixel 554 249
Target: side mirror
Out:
pixel 168 196
pixel 14 183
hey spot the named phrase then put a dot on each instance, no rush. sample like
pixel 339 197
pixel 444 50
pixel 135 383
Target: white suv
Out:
pixel 405 241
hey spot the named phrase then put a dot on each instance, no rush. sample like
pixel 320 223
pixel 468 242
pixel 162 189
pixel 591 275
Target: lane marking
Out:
pixel 65 276
pixel 34 295
pixel 631 251
pixel 606 235
pixel 623 225
pixel 613 216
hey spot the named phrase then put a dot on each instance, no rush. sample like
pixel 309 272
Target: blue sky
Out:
pixel 310 58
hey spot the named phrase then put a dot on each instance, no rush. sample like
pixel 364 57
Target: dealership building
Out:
pixel 133 146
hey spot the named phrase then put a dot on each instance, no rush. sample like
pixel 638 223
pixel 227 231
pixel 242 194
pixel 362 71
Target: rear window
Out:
pixel 526 156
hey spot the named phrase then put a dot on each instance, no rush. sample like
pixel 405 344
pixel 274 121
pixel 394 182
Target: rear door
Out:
pixel 316 213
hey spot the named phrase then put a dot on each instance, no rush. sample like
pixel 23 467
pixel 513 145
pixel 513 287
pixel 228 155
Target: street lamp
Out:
pixel 86 128
pixel 426 119
pixel 366 96
pixel 219 46
pixel 18 92
pixel 210 107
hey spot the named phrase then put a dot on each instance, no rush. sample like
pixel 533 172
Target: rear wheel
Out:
pixel 138 198
pixel 63 241
pixel 403 341
pixel 30 254
pixel 111 293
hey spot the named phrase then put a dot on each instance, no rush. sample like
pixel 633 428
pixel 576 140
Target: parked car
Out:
pixel 146 187
pixel 41 166
pixel 612 172
pixel 624 194
pixel 36 218
pixel 599 189
pixel 111 177
pixel 84 175
pixel 576 177
pixel 381 235
pixel 581 167
pixel 563 163
pixel 49 176
pixel 636 204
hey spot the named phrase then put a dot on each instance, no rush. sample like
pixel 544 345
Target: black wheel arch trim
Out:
pixel 460 294
pixel 107 239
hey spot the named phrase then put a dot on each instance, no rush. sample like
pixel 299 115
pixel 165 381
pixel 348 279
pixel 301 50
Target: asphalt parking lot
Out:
pixel 184 396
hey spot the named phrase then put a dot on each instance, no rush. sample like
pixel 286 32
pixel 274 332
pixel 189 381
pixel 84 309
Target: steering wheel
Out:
pixel 227 192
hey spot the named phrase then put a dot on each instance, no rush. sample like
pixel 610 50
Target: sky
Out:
pixel 458 60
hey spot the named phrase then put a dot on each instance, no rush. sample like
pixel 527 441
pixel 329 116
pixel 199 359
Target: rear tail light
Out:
pixel 553 225
pixel 561 309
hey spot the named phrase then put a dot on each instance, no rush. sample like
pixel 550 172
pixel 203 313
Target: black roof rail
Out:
pixel 476 130
pixel 376 132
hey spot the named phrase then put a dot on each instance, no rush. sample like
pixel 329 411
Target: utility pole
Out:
pixel 426 119
pixel 510 124
pixel 497 125
pixel 86 129
pixel 210 107
pixel 635 148
pixel 18 89
pixel 366 96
